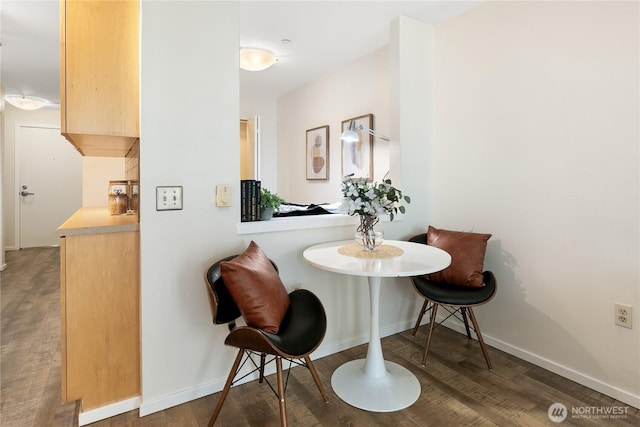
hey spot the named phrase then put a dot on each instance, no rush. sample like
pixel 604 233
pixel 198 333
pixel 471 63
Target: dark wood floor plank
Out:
pixel 30 330
pixel 457 388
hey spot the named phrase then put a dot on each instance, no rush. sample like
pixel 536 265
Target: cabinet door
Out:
pixel 101 304
pixel 100 74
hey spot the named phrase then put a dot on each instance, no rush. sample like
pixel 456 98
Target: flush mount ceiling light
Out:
pixel 26 102
pixel 256 59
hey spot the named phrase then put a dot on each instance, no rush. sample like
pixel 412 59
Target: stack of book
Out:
pixel 249 200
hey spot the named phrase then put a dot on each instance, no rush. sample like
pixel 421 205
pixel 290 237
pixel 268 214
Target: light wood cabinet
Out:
pixel 99 75
pixel 100 317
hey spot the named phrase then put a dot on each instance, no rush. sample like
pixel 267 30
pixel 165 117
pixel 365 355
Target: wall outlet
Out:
pixel 623 315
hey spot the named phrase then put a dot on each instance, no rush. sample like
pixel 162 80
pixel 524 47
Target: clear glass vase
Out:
pixel 366 235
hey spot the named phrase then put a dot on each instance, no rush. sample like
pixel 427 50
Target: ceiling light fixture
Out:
pixel 256 59
pixel 26 102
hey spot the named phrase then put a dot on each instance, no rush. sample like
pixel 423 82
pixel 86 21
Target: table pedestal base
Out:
pixel 396 390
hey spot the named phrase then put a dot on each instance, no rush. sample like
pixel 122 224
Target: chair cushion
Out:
pixel 445 293
pixel 304 325
pixel 467 256
pixel 255 286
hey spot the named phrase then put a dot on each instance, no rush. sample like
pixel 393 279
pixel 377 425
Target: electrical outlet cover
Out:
pixel 168 198
pixel 623 314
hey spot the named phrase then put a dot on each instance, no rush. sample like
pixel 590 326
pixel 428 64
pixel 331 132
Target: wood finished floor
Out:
pixel 457 389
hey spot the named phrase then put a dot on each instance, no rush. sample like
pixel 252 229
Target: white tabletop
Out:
pixel 417 259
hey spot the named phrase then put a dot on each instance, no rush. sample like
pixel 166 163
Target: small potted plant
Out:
pixel 269 202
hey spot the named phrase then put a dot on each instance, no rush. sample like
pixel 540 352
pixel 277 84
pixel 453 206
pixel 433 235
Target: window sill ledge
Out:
pixel 295 223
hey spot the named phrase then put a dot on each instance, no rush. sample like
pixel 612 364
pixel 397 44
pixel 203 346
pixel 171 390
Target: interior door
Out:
pixel 49 179
pixel 250 148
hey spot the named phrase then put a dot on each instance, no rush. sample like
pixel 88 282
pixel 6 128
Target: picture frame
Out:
pixel 317 154
pixel 357 158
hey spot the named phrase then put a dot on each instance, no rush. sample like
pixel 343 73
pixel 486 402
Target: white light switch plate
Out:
pixel 168 198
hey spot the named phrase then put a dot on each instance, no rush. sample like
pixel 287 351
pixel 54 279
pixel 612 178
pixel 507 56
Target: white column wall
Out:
pixel 190 137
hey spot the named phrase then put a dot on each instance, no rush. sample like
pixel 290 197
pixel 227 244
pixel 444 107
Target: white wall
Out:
pixel 96 174
pixel 521 140
pixel 3 265
pixel 537 143
pixel 412 117
pixel 194 64
pixel 183 355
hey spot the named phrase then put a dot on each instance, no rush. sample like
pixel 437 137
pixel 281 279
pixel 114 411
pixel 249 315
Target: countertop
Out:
pixel 97 221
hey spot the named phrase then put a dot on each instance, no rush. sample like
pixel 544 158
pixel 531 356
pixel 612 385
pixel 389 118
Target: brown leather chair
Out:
pixel 457 300
pixel 300 333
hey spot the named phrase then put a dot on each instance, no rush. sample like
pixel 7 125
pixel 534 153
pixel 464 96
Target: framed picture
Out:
pixel 357 157
pixel 318 153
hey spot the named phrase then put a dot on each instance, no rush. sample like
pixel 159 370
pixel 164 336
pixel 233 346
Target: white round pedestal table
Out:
pixel 374 384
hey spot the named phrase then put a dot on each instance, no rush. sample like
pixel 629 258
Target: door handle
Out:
pixel 24 192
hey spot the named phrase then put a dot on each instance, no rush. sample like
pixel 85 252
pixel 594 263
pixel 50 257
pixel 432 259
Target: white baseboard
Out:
pixel 151 406
pixel 175 399
pixel 565 372
pixel 93 415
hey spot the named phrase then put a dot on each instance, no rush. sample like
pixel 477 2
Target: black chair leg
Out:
pixel 283 410
pixel 423 310
pixel 480 340
pixel 432 323
pixel 227 386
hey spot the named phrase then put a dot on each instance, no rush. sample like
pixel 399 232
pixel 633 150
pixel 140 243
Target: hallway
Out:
pixel 30 369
